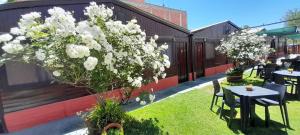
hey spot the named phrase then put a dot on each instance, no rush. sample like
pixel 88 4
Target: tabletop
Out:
pixel 256 92
pixel 287 73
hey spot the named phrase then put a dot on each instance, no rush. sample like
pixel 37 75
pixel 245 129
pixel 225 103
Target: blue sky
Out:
pixel 241 12
pixel 2 1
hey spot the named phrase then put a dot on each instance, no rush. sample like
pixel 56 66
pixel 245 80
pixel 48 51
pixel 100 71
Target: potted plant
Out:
pixel 241 47
pixel 103 118
pixel 234 74
pixel 99 53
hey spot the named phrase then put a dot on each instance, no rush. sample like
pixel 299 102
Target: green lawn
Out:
pixel 189 114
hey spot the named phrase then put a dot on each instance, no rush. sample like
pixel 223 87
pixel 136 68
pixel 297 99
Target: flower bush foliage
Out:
pixel 244 45
pixel 97 53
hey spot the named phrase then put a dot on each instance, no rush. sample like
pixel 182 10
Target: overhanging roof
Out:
pixel 279 31
pixel 294 36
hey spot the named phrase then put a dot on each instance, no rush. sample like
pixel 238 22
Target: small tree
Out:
pixel 243 46
pixel 98 53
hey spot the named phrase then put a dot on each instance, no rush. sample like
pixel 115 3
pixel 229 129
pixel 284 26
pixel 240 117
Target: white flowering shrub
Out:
pixel 244 45
pixel 97 53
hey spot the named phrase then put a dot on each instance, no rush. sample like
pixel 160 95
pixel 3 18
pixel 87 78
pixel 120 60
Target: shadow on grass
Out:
pixel 259 128
pixel 150 126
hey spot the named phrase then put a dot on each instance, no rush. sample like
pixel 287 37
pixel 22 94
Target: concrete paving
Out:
pixel 72 125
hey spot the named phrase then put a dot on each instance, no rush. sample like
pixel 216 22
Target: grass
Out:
pixel 189 114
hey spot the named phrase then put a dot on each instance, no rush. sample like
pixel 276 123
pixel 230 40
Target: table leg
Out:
pixel 244 112
pixel 252 114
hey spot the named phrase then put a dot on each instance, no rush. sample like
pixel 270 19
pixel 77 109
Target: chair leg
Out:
pixel 216 100
pixel 251 72
pixel 267 116
pixel 292 89
pixel 212 102
pixel 221 112
pixel 282 115
pixel 286 115
pixel 231 116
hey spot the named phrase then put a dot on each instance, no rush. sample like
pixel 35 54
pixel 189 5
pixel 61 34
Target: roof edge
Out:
pixel 208 26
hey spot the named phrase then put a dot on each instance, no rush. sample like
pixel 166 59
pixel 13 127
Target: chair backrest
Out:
pixel 269 73
pixel 228 97
pixel 272 65
pixel 277 87
pixel 279 79
pixel 217 86
pixel 296 65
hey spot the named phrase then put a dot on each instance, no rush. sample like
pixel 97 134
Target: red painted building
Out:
pixel 176 16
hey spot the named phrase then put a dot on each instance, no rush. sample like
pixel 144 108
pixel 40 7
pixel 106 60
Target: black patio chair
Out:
pixel 217 93
pixel 229 100
pixel 268 75
pixel 274 101
pixel 258 68
pixel 279 79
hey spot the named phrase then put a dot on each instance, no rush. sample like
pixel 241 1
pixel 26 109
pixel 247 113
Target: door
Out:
pixel 199 58
pixel 182 61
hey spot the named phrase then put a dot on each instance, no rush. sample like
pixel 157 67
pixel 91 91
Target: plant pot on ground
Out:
pixel 105 116
pixel 235 75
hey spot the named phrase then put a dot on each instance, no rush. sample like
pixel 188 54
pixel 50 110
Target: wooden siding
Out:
pixel 213 35
pixel 217 31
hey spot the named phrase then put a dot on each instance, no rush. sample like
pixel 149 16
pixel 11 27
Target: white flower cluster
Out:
pixel 145 97
pixel 60 21
pixel 245 45
pixel 94 52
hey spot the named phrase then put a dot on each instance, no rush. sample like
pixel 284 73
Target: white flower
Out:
pixel 60 21
pixel 151 97
pixel 26 58
pixel 164 46
pixel 98 11
pixel 20 38
pixel 129 79
pixel 27 21
pixel 163 75
pixel 137 82
pixel 155 79
pixel 12 48
pixel 77 51
pixel 5 37
pixel 155 37
pixel 56 73
pixel 40 54
pixel 137 99
pixel 15 31
pixel 167 64
pixel 162 69
pixel 90 63
pixel 143 102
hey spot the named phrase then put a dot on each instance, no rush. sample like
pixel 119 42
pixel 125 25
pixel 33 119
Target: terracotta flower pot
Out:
pixel 113 125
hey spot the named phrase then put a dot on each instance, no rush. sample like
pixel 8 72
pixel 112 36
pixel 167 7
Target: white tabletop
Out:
pixel 287 73
pixel 256 92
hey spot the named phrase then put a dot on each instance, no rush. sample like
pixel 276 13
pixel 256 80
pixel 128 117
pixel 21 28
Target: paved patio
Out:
pixel 71 125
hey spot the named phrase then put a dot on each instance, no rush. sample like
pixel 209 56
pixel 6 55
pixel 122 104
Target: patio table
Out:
pixel 246 96
pixel 294 74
